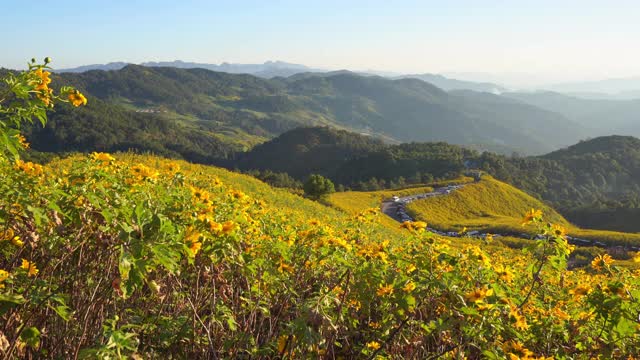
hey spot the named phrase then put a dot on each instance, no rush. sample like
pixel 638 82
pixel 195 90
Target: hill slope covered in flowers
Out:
pixel 493 206
pixel 142 255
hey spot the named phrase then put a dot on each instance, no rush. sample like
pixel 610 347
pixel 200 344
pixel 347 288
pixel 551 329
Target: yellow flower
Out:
pixel 414 226
pixel 531 215
pixel 77 99
pixel 411 268
pixel 373 345
pixel 580 290
pixel 31 268
pixel 409 287
pixel 22 141
pixel 384 290
pixel 374 325
pixel 559 231
pixel 284 267
pixel 7 234
pixel 228 227
pixel 504 273
pixel 142 172
pixel 17 242
pixel 478 295
pixel 104 157
pixel 489 237
pixel 195 247
pixel 419 225
pixel 517 351
pixel 558 313
pixel 4 275
pixel 44 76
pixel 29 168
pixel 601 261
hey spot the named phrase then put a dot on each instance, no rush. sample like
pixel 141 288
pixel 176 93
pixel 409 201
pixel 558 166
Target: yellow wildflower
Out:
pixel 4 275
pixel 195 247
pixel 531 215
pixel 559 231
pixel 44 76
pixel 373 345
pixel 384 290
pixel 17 241
pixel 580 290
pixel 504 273
pixel 601 261
pixel 409 287
pixel 419 225
pixel 411 268
pixel 143 172
pixel 76 98
pixel 29 168
pixel 374 325
pixel 558 313
pixel 478 295
pixel 284 267
pixel 104 157
pixel 31 268
pixel 517 351
pixel 22 141
pixel 228 227
pixel 7 234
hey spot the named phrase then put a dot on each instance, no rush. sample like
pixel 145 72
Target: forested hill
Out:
pixel 241 111
pixel 355 160
pixel 601 175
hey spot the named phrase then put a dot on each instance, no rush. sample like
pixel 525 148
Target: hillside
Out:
pixel 150 234
pixel 489 205
pixel 495 207
pixel 592 177
pixel 449 84
pixel 242 110
pixel 600 169
pixel 599 116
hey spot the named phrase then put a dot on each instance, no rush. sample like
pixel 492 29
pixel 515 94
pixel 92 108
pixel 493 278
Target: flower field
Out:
pixel 120 255
pixel 128 256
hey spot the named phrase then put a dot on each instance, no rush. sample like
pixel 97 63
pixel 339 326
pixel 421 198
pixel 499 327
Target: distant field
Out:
pixel 496 207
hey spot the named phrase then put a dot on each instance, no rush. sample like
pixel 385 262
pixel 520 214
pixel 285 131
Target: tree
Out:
pixel 317 186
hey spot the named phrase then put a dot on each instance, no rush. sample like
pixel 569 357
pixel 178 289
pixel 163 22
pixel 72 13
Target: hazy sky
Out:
pixel 524 41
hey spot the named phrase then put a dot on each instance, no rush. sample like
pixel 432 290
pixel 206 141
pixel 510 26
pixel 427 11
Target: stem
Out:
pixel 536 276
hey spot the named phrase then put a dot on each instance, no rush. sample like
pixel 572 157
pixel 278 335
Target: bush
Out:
pixel 317 186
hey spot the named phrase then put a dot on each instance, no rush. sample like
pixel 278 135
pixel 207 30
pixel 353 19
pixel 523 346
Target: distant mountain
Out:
pixel 103 67
pixel 244 110
pixel 601 116
pixel 608 86
pixel 268 69
pixel 448 84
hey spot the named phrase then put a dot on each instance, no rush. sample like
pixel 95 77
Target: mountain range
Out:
pixel 268 69
pixel 244 110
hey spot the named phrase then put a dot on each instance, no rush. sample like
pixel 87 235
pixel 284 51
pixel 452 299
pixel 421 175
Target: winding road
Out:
pixel 397 210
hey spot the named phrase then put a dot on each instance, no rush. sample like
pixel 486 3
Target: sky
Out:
pixel 517 41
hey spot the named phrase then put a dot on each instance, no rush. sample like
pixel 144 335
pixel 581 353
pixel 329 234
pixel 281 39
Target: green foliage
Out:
pixel 317 186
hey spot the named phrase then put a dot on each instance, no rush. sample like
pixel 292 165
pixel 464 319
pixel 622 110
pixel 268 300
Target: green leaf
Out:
pixel 31 336
pixel 8 301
